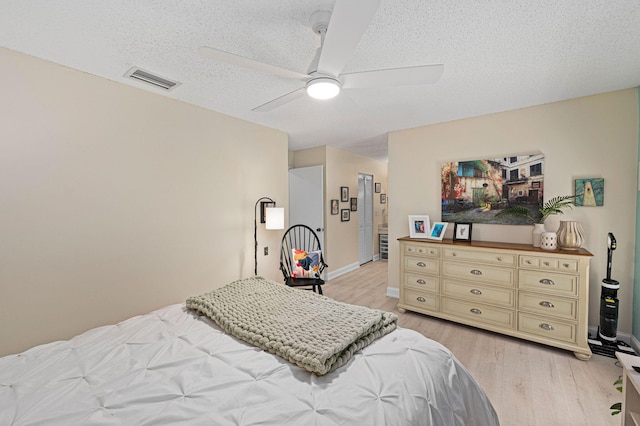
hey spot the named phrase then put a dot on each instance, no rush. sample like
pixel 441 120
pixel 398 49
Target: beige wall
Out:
pixel 341 169
pixel 115 201
pixel 595 136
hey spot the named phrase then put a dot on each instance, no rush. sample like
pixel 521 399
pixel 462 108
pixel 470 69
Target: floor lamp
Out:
pixel 271 216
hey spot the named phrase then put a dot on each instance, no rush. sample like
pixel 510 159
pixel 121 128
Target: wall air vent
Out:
pixel 149 78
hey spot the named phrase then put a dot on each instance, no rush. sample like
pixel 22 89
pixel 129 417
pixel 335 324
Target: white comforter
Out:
pixel 173 367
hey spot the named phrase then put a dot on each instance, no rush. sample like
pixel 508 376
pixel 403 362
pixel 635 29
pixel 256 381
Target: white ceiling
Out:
pixel 498 55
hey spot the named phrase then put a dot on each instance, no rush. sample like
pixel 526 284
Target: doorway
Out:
pixel 365 218
pixel 306 200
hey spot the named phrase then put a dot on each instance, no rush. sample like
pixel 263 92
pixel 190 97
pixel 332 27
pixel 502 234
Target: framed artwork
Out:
pixel 334 207
pixel 378 187
pixel 263 210
pixel 383 198
pixel 462 231
pixel 354 204
pixel 590 192
pixel 346 215
pixel 419 226
pixel 437 231
pixel 344 194
pixel 475 190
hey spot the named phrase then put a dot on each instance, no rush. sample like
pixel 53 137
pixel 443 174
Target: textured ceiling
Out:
pixel 498 55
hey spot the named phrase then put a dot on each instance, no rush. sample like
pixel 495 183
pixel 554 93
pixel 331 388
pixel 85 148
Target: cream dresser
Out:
pixel 513 289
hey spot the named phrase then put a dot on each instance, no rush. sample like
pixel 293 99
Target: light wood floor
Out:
pixel 528 383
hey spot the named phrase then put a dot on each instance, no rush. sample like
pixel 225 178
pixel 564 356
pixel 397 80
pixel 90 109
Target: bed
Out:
pixel 178 366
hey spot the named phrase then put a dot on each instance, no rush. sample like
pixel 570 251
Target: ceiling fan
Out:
pixel 340 32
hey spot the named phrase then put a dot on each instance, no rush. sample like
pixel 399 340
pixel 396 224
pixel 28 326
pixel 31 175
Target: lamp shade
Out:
pixel 274 218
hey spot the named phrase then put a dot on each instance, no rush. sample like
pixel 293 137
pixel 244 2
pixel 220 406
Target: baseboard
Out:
pixel 341 271
pixel 393 292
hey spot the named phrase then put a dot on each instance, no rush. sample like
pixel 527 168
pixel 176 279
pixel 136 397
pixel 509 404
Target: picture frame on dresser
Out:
pixel 419 226
pixel 462 231
pixel 437 231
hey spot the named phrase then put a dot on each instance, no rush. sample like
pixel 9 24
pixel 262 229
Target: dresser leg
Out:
pixel 582 356
pixel 402 311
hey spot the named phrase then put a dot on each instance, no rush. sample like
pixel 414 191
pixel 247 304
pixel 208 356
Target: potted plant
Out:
pixel 551 207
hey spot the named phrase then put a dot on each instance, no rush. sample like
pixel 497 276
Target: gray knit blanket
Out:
pixel 309 330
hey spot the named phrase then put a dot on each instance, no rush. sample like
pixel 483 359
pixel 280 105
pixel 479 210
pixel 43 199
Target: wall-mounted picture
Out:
pixel 462 231
pixel 476 191
pixel 383 198
pixel 590 192
pixel 344 194
pixel 354 204
pixel 378 187
pixel 346 215
pixel 419 226
pixel 335 207
pixel 437 231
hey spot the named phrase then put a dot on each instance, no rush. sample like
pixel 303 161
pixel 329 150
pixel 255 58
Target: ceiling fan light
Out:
pixel 323 88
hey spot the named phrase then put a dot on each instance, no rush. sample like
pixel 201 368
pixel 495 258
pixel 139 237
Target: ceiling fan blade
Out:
pixel 393 77
pixel 230 58
pixel 349 21
pixel 284 99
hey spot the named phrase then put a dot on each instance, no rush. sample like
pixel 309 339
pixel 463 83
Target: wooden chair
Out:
pixel 295 266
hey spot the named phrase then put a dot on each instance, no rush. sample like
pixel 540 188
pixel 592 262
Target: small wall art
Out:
pixel 344 194
pixel 335 207
pixel 346 215
pixel 383 198
pixel 378 187
pixel 590 192
pixel 354 204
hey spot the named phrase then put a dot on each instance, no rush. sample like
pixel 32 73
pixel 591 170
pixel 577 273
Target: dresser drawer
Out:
pixel 421 265
pixel 549 263
pixel 546 327
pixel 548 305
pixel 421 250
pixel 479 313
pixel 422 282
pixel 548 282
pixel 421 300
pixel 479 273
pixel 492 257
pixel 479 293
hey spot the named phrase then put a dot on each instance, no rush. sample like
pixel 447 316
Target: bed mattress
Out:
pixel 172 366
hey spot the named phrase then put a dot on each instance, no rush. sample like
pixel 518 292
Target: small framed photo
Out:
pixel 383 198
pixel 263 210
pixel 354 204
pixel 335 209
pixel 344 194
pixel 419 226
pixel 437 231
pixel 378 187
pixel 462 231
pixel 346 215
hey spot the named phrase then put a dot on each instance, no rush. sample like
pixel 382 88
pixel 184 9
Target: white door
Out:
pixel 306 199
pixel 365 218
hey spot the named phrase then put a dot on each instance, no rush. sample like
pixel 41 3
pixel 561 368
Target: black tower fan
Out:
pixel 608 331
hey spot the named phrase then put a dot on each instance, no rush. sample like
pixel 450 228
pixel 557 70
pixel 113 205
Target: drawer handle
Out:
pixel 475 311
pixel 547 281
pixel 476 272
pixel 547 327
pixel 546 304
pixel 421 264
pixel 421 299
pixel 499 258
pixel 546 263
pixel 566 265
pixel 454 254
pixel 421 281
pixel 475 291
pixel 529 262
pixel 432 252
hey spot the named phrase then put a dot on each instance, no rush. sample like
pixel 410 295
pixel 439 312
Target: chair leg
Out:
pixel 319 289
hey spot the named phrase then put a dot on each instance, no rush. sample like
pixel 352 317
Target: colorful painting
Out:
pixel 476 191
pixel 590 192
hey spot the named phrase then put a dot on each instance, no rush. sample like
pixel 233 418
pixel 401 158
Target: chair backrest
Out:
pixel 299 237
